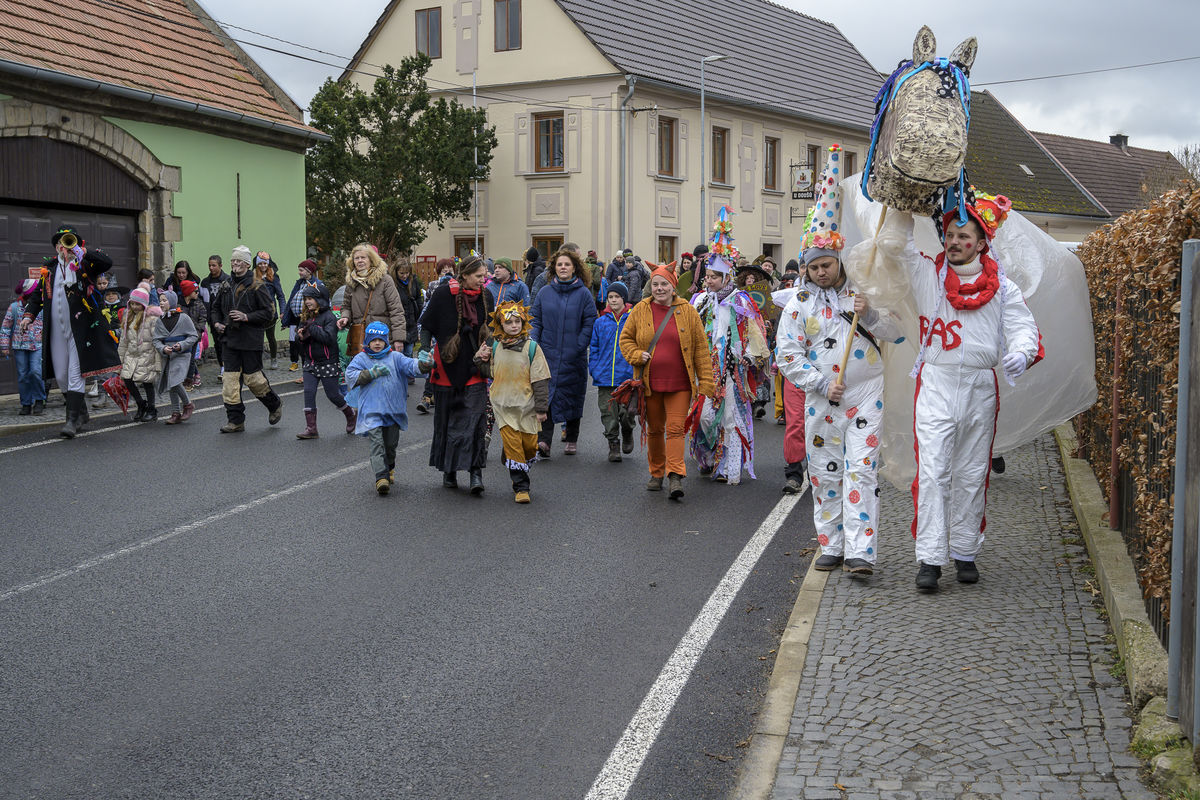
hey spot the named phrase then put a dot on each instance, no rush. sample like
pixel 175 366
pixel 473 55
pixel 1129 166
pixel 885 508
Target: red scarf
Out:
pixel 969 296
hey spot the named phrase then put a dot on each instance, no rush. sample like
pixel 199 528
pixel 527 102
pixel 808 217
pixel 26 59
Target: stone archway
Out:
pixel 158 227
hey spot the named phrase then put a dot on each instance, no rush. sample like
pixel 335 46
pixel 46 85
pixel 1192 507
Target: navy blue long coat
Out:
pixel 563 315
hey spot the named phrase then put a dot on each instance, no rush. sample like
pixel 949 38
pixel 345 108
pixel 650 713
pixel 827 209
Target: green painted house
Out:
pixel 172 145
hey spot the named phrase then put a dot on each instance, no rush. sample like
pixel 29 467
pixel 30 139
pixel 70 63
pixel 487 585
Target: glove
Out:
pixel 1014 365
pixel 379 371
pixel 424 357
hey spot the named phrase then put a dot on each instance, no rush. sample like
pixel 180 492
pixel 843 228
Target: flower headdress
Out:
pixel 822 237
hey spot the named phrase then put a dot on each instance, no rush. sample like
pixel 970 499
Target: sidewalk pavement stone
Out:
pixel 993 690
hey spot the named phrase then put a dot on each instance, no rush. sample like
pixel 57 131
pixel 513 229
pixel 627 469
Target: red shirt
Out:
pixel 668 373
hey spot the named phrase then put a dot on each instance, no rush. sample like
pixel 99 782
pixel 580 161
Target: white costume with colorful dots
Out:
pixel 843 438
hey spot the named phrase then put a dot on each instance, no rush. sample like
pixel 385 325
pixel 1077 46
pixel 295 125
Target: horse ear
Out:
pixel 964 54
pixel 924 46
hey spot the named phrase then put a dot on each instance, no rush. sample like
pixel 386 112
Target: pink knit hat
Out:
pixel 141 294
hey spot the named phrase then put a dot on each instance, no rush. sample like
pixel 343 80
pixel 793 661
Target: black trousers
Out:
pixel 132 386
pixel 571 426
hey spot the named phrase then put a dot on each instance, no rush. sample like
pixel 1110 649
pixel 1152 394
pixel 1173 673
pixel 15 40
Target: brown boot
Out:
pixel 310 421
pixel 351 417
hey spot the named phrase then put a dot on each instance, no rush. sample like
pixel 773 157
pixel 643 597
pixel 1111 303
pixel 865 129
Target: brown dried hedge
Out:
pixel 1140 253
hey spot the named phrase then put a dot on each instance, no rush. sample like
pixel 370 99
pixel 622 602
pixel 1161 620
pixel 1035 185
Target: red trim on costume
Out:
pixel 987 478
pixel 916 452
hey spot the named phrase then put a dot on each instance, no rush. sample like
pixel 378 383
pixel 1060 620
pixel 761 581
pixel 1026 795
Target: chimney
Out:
pixel 1119 140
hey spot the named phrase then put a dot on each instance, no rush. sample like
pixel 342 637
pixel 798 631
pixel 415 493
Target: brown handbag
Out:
pixel 357 330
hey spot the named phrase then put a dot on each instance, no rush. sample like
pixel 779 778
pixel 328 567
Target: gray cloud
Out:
pixel 1156 106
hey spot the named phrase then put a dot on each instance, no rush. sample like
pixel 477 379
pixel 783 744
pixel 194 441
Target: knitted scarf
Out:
pixel 970 296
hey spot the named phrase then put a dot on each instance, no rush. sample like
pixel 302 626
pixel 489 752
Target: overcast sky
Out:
pixel 1157 106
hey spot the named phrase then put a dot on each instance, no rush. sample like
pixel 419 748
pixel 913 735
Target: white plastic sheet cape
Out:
pixel 1060 386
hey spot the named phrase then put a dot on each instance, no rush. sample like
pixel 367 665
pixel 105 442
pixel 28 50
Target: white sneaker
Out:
pixel 93 390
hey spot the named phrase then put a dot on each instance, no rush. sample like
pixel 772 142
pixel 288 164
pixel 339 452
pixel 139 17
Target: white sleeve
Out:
pixel 1020 328
pixel 792 349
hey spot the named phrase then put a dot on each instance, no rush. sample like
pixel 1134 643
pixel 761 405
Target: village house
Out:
pixel 170 144
pixel 597 110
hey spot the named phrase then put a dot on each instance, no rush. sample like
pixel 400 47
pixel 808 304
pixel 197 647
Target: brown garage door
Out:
pixel 25 240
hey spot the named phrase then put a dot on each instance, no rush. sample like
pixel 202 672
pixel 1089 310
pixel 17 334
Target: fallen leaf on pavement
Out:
pixel 719 757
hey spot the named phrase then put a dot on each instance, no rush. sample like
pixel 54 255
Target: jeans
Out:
pixel 30 385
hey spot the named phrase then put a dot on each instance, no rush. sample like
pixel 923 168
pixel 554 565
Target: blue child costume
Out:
pixel 609 370
pixel 379 391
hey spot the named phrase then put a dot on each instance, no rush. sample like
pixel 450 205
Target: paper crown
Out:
pixel 719 263
pixel 826 216
pixel 722 238
pixel 511 309
pixel 988 210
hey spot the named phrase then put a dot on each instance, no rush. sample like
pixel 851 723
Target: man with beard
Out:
pixel 973 319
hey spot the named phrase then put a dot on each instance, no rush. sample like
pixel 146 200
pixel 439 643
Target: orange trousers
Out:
pixel 666 413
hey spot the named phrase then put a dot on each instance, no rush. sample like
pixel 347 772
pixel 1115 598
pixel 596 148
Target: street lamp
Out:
pixel 703 136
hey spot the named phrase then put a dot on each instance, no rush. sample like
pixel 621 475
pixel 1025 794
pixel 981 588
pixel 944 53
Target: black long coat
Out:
pixel 94 339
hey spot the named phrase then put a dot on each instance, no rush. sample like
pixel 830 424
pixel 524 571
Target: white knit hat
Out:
pixel 242 253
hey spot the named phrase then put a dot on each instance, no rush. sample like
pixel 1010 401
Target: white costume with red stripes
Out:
pixel 843 438
pixel 954 417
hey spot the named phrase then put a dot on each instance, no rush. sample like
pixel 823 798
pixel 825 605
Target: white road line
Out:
pixel 188 527
pixel 621 770
pixel 15 448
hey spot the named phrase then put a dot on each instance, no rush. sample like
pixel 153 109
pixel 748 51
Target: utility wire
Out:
pixel 506 97
pixel 1089 71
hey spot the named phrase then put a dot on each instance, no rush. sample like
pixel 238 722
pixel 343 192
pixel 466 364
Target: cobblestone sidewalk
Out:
pixel 996 691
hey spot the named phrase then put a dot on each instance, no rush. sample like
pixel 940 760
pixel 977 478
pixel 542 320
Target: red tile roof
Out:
pixel 160 47
pixel 1120 178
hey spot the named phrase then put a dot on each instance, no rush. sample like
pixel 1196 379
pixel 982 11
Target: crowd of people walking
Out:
pixel 692 351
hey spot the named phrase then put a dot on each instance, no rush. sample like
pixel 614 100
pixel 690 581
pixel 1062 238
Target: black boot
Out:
pixel 614 450
pixel 626 439
pixel 450 480
pixel 73 401
pixel 967 571
pixel 927 578
pixel 477 482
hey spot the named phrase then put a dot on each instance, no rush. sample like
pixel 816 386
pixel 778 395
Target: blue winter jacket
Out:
pixel 563 316
pixel 514 290
pixel 605 362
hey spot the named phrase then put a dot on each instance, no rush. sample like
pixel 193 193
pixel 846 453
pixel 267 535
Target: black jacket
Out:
pixel 318 337
pixel 256 299
pixel 410 298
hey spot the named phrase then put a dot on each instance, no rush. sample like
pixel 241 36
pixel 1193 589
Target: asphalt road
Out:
pixel 185 614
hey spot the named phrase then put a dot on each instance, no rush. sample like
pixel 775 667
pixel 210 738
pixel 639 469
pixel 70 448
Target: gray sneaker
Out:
pixel 858 566
pixel 828 563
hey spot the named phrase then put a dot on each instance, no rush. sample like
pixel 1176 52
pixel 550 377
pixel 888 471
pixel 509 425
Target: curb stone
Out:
pixel 1144 656
pixel 757 775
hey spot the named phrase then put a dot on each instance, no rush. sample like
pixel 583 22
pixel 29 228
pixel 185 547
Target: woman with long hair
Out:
pixel 182 272
pixel 266 271
pixel 371 296
pixel 563 317
pixel 456 318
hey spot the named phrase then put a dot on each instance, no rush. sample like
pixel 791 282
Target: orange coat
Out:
pixel 697 356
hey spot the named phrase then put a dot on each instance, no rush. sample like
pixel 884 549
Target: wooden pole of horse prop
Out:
pixel 841 378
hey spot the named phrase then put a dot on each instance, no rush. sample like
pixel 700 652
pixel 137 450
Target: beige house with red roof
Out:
pixel 596 108
pixel 170 144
